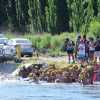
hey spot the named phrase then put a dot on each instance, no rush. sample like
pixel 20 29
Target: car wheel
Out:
pixel 17 60
pixel 22 55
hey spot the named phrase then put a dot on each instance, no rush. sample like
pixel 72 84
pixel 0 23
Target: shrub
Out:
pixel 55 42
pixel 94 28
pixel 45 41
pixel 9 35
pixel 35 39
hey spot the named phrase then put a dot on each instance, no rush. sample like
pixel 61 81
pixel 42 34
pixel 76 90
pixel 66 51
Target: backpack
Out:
pixel 70 46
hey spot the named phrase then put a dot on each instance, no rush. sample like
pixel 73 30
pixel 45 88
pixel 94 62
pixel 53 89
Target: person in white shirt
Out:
pixel 81 51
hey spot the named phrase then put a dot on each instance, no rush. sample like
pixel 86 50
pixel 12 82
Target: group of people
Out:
pixel 85 49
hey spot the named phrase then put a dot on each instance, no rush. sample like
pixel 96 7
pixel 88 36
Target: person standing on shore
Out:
pixel 70 50
pixel 77 44
pixel 86 42
pixel 81 52
pixel 91 49
pixel 97 50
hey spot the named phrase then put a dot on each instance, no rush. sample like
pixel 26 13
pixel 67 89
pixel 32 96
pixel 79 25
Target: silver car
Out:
pixel 25 44
pixel 6 51
pixel 2 35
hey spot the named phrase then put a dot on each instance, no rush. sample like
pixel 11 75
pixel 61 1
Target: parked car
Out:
pixel 25 45
pixel 2 35
pixel 6 51
pixel 3 40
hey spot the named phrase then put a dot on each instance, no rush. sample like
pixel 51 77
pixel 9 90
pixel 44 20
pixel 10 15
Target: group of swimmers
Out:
pixel 85 49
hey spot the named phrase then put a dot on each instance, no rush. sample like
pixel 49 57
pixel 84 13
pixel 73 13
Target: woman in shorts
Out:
pixel 70 50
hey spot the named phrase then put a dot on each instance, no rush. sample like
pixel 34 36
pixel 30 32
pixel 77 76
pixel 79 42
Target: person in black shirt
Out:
pixel 69 45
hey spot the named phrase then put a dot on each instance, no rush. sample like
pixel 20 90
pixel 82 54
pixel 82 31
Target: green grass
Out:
pixel 53 43
pixel 46 40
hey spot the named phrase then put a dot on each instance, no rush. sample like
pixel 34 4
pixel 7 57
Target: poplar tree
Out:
pixel 35 15
pixel 51 16
pixel 43 16
pixel 11 15
pixel 98 9
pixel 81 13
pixel 75 9
pixel 3 13
pixel 62 16
pixel 22 14
pixel 88 13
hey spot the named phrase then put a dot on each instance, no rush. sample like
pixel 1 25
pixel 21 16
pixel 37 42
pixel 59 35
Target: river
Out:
pixel 23 90
pixel 19 89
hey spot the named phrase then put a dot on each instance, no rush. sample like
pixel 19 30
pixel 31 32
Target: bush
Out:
pixel 94 28
pixel 35 39
pixel 45 41
pixel 54 43
pixel 9 35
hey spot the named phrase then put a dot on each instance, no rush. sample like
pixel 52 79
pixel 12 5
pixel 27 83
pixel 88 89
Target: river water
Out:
pixel 23 90
pixel 19 89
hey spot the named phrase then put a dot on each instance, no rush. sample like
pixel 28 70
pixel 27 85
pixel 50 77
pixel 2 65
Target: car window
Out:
pixel 22 41
pixel 10 42
pixel 2 35
pixel 3 41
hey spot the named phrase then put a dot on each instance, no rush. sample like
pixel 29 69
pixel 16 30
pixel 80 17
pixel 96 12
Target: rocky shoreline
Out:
pixel 51 73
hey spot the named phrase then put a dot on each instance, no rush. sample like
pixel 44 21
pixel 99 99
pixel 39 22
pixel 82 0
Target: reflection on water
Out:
pixel 19 90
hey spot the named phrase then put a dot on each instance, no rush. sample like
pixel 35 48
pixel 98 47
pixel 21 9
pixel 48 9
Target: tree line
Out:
pixel 54 16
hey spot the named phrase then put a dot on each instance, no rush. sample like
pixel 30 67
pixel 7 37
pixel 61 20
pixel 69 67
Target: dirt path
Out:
pixel 55 59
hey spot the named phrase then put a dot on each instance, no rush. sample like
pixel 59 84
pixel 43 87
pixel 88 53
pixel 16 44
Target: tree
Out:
pixel 98 9
pixel 22 14
pixel 3 14
pixel 88 13
pixel 75 9
pixel 62 16
pixel 43 16
pixel 11 15
pixel 81 13
pixel 51 16
pixel 35 15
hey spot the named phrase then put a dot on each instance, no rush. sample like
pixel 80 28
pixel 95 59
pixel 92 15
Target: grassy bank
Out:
pixel 47 42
